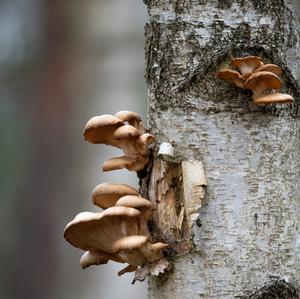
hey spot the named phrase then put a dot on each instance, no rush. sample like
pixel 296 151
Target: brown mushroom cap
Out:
pixel 126 138
pixel 247 64
pixel 272 68
pixel 274 98
pixel 159 246
pixel 90 258
pixel 260 81
pixel 132 164
pixel 231 76
pixel 126 131
pixel 143 143
pixel 127 116
pixel 129 243
pixel 130 247
pixel 118 163
pixel 132 118
pixel 136 202
pixel 107 194
pixel 99 129
pixel 98 231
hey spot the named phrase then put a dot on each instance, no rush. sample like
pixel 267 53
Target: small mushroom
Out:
pixel 127 269
pixel 272 68
pixel 98 258
pixel 247 64
pixel 129 249
pixel 98 231
pixel 132 164
pixel 99 129
pixel 141 204
pixel 231 76
pixel 132 118
pixel 137 250
pixel 260 81
pixel 274 98
pixel 107 194
pixel 143 143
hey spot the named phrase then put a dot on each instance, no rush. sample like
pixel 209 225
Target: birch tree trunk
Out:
pixel 245 242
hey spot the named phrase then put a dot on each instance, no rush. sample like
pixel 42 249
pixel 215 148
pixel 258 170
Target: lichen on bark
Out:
pixel 249 222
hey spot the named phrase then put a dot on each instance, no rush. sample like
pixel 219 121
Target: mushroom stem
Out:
pixel 127 269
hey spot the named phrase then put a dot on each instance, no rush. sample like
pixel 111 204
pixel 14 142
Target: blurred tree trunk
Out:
pixel 246 239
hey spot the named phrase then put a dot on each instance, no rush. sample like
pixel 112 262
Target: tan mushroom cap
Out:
pixel 90 258
pixel 143 143
pixel 260 81
pixel 126 131
pixel 132 118
pixel 129 243
pixel 274 98
pixel 159 246
pixel 132 164
pixel 98 231
pixel 136 202
pixel 126 138
pixel 247 64
pixel 272 68
pixel 107 194
pixel 231 76
pixel 127 116
pixel 99 129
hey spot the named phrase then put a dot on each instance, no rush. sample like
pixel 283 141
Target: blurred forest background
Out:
pixel 61 62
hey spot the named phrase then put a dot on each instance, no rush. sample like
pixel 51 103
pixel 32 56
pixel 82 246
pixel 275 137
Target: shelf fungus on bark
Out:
pixel 253 74
pixel 119 233
pixel 125 131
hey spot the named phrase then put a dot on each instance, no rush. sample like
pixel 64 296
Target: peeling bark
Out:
pixel 247 232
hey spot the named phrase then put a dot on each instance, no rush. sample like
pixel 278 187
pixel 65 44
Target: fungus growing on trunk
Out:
pixel 119 233
pixel 247 64
pixel 231 76
pixel 131 138
pixel 132 118
pixel 260 81
pixel 107 194
pixel 257 77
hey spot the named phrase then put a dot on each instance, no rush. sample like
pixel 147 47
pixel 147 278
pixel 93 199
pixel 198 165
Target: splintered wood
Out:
pixel 176 190
pixel 194 181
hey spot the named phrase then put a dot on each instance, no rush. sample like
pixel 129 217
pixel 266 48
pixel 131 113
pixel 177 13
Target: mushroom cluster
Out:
pixel 123 130
pixel 253 74
pixel 120 232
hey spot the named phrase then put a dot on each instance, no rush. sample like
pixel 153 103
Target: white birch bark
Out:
pixel 247 233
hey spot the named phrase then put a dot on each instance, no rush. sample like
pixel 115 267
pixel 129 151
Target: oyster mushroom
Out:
pixel 132 118
pixel 272 68
pixel 138 250
pixel 260 81
pixel 232 77
pixel 132 164
pixel 141 204
pixel 274 98
pixel 90 258
pixel 99 129
pixel 247 64
pixel 98 231
pixel 112 130
pixel 107 194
